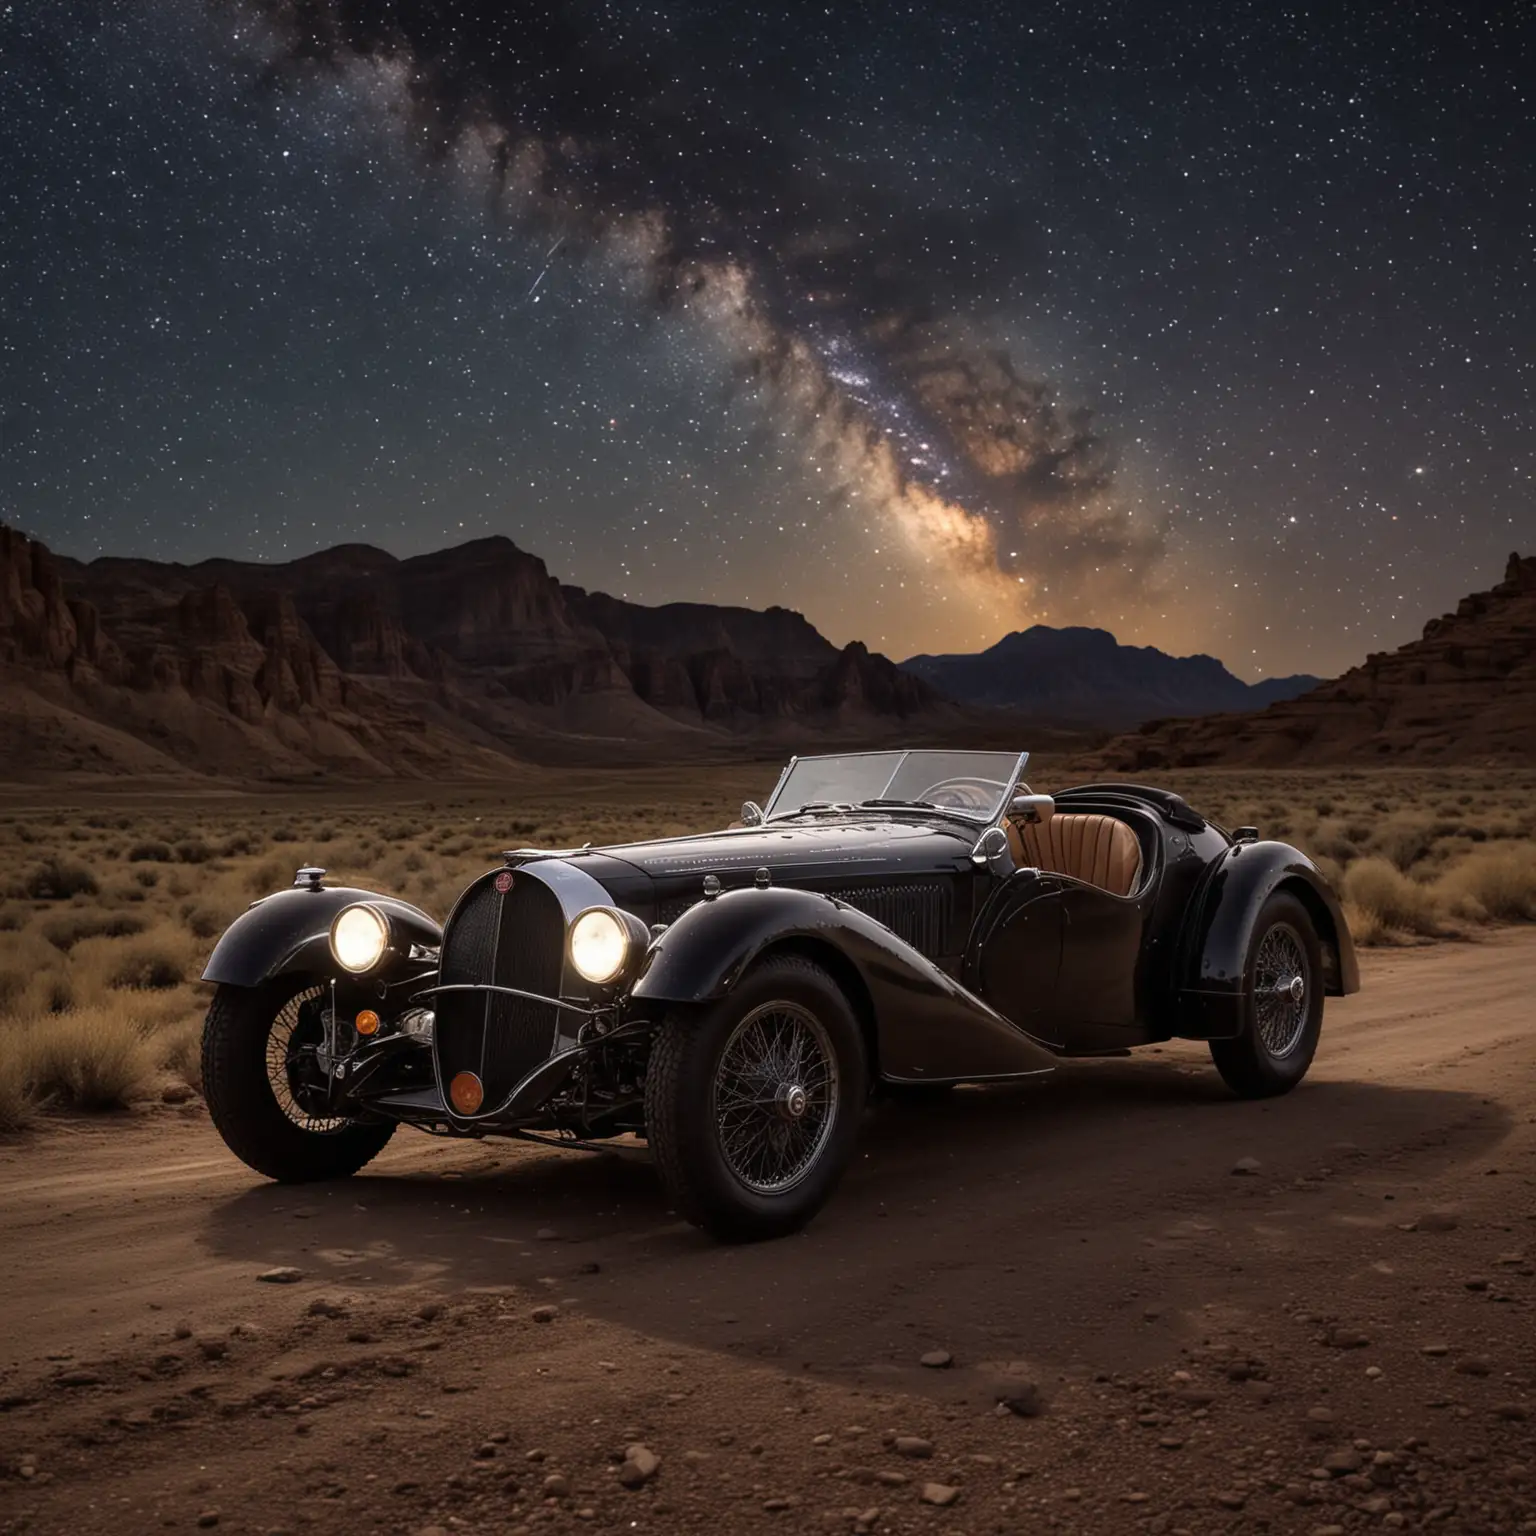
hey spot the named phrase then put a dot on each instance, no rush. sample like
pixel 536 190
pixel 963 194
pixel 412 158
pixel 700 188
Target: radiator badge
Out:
pixel 504 881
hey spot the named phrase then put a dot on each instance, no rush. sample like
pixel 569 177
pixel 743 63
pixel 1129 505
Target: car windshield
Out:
pixel 972 785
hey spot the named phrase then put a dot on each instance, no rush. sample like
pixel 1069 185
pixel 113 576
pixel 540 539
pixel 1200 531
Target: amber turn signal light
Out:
pixel 367 1022
pixel 466 1093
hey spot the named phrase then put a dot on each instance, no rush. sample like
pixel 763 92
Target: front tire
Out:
pixel 1282 1004
pixel 253 1039
pixel 752 1106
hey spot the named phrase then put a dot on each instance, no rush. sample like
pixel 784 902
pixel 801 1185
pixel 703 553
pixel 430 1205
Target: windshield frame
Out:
pixel 946 812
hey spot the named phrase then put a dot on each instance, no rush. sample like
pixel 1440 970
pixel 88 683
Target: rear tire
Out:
pixel 244 1104
pixel 752 1105
pixel 1280 1030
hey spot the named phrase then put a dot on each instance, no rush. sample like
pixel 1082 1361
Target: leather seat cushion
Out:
pixel 1098 850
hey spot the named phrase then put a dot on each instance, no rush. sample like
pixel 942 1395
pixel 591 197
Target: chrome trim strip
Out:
pixel 532 997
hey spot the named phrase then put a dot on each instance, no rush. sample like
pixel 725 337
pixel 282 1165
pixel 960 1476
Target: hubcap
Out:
pixel 775 1097
pixel 1280 990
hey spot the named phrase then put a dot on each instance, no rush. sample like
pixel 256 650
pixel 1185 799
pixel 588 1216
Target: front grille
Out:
pixel 511 939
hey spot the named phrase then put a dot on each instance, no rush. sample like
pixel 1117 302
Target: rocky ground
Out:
pixel 1115 1302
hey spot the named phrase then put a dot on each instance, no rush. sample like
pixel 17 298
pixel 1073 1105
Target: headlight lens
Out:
pixel 359 937
pixel 600 944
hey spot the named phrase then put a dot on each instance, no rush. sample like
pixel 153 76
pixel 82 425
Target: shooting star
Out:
pixel 549 260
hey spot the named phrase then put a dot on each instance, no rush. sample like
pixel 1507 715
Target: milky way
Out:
pixel 1211 325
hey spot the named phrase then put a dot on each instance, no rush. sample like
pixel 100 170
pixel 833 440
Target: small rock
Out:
pixel 1348 1338
pixel 545 1235
pixel 182 1331
pixel 912 1445
pixel 641 1464
pixel 937 1359
pixel 1437 1221
pixel 78 1378
pixel 1233 1498
pixel 281 1274
pixel 1473 1365
pixel 178 1093
pixel 1342 1462
pixel 327 1306
pixel 208 1519
pixel 429 1311
pixel 557 1486
pixel 940 1494
pixel 1434 1349
pixel 778 1506
pixel 213 1349
pixel 1475 1283
pixel 545 1314
pixel 891 1479
pixel 1514 1413
pixel 822 1439
pixel 1246 1167
pixel 1025 1400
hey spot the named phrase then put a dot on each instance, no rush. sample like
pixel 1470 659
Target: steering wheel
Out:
pixel 964 794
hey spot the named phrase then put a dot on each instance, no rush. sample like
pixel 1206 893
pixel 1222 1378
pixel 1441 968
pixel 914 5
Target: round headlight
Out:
pixel 359 937
pixel 600 944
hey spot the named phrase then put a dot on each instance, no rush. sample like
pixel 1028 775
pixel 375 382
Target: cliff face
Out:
pixel 1086 677
pixel 353 660
pixel 1464 692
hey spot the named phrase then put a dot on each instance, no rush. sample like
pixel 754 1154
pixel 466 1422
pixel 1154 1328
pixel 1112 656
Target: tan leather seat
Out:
pixel 1095 849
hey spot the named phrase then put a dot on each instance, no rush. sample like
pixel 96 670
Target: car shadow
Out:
pixel 1011 1222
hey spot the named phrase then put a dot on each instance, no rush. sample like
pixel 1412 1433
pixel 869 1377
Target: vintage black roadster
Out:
pixel 890 922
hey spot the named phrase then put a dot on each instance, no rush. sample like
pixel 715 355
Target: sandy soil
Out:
pixel 1343 1340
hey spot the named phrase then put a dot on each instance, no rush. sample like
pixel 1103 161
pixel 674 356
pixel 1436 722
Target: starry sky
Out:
pixel 1213 325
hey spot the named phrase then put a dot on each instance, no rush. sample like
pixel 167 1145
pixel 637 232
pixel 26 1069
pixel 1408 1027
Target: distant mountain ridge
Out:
pixel 1081 676
pixel 353 661
pixel 1464 692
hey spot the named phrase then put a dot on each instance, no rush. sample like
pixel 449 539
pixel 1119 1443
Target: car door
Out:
pixel 1015 959
pixel 1096 984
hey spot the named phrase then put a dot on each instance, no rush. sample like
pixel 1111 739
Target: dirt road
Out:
pixel 1343 1339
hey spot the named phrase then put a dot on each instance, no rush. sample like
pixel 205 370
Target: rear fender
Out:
pixel 927 1027
pixel 289 934
pixel 1219 927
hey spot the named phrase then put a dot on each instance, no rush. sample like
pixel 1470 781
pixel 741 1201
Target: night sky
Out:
pixel 1212 324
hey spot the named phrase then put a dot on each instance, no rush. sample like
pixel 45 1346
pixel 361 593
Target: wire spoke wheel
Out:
pixel 1281 988
pixel 296 1036
pixel 775 1096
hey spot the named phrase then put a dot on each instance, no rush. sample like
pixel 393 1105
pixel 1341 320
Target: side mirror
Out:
pixel 751 814
pixel 992 850
pixel 1032 808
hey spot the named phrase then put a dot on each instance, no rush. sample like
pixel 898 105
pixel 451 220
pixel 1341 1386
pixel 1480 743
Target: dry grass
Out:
pixel 109 908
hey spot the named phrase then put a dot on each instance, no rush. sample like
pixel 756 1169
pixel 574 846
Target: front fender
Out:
pixel 922 1025
pixel 290 934
pixel 1219 926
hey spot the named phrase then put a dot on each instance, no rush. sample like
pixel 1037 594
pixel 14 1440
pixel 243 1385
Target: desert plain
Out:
pixel 1116 1301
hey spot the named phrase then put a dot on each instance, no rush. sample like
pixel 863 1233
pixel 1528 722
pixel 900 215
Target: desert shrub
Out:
pixel 1365 925
pixel 1377 886
pixel 206 922
pixel 193 851
pixel 150 851
pixel 11 919
pixel 147 967
pixel 58 880
pixel 180 1049
pixel 148 878
pixel 94 1059
pixel 16 1103
pixel 68 928
pixel 238 843
pixel 1501 881
pixel 1403 840
pixel 270 875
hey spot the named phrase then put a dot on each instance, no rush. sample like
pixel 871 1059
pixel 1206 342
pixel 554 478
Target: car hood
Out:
pixel 847 848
